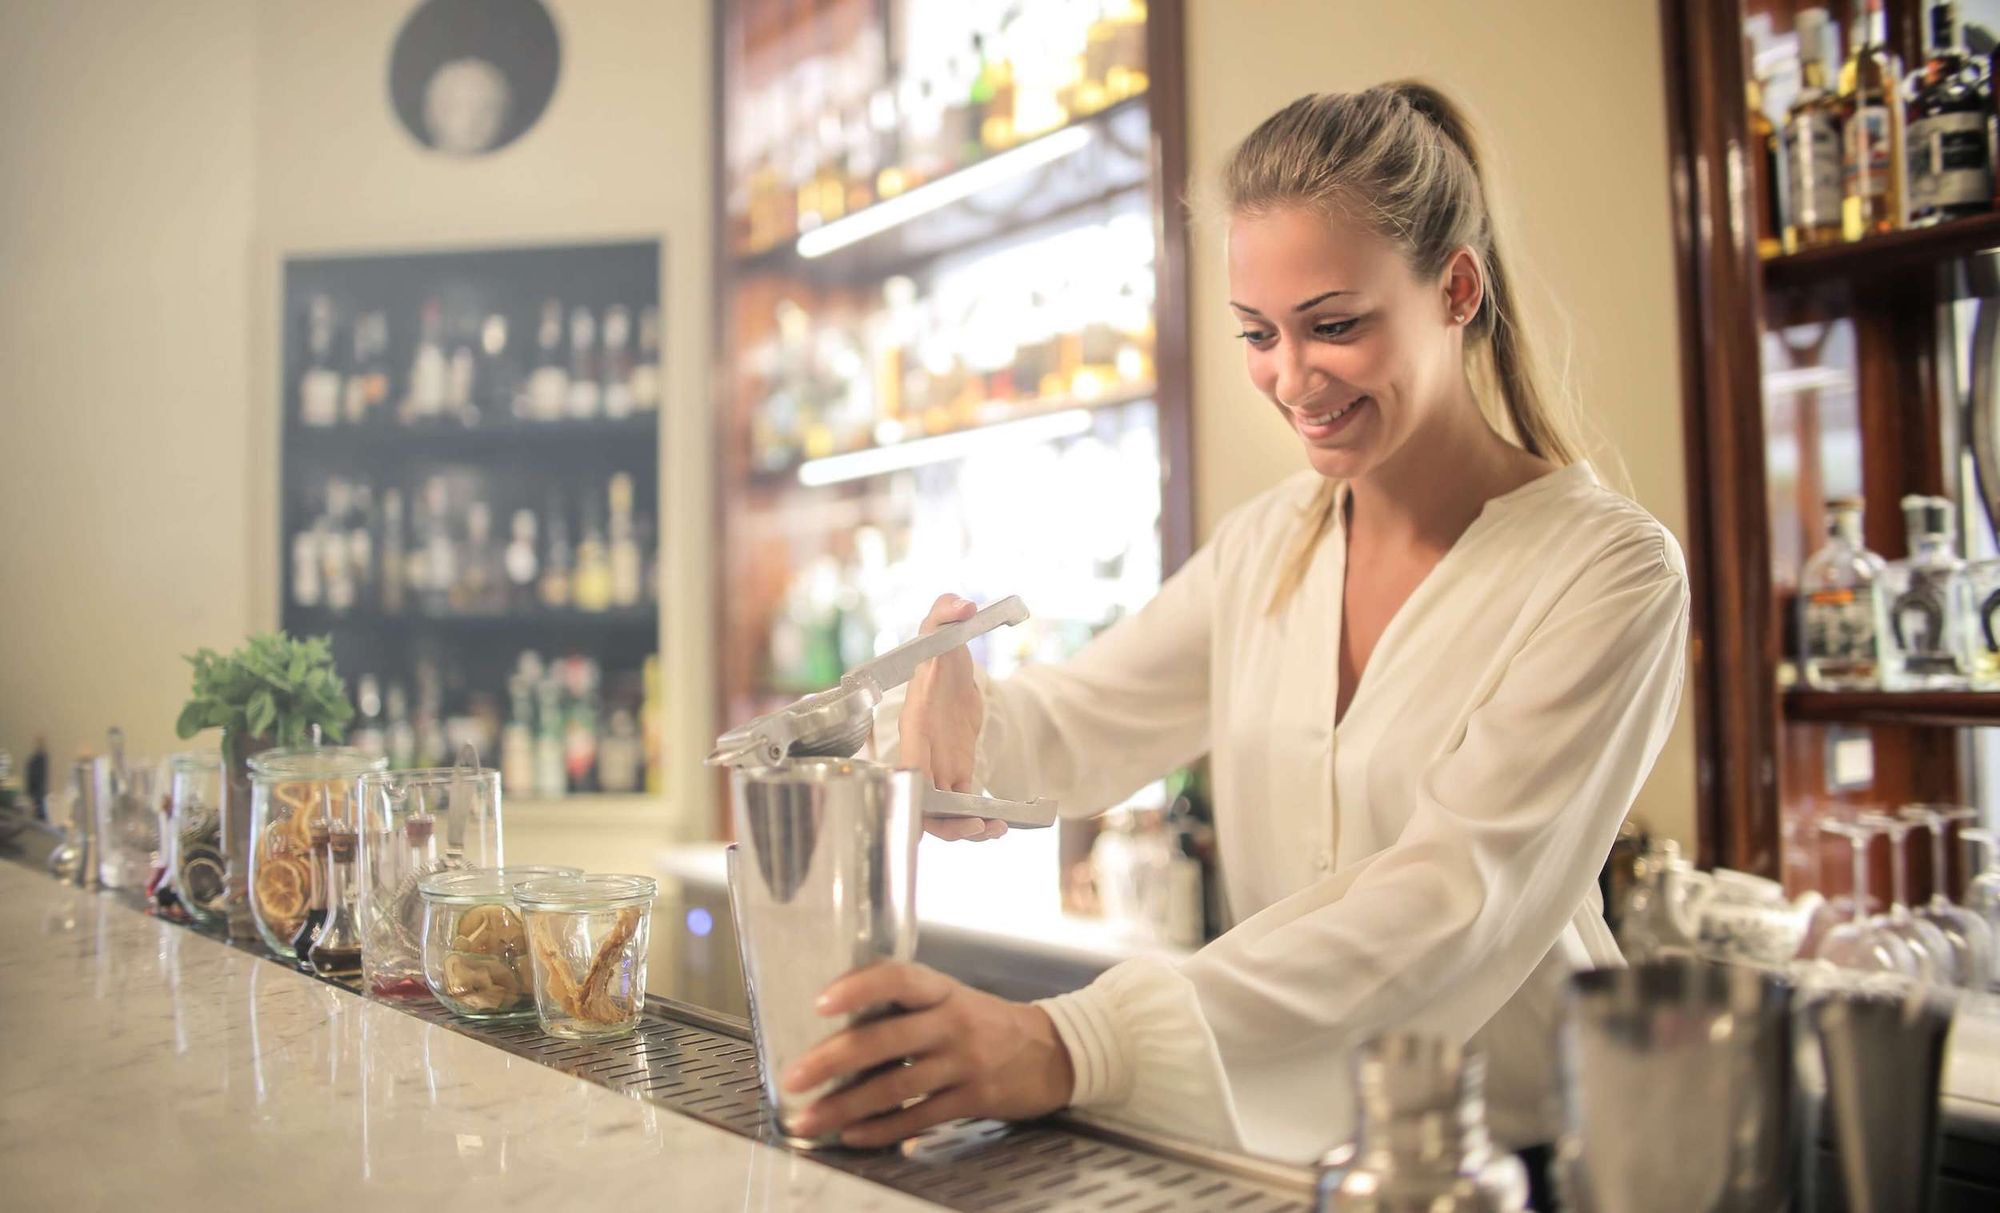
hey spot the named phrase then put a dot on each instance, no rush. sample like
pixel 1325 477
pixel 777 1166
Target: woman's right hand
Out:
pixel 942 712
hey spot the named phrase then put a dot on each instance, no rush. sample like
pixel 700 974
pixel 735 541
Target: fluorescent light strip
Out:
pixel 932 195
pixel 1807 379
pixel 859 465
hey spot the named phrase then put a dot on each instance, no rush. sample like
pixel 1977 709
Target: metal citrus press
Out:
pixel 835 723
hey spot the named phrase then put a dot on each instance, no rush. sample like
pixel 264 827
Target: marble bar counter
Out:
pixel 144 1066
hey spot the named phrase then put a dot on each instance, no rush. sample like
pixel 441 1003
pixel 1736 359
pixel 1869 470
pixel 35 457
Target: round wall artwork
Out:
pixel 468 77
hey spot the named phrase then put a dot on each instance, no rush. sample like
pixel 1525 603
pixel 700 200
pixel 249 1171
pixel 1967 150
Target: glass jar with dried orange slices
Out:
pixel 290 791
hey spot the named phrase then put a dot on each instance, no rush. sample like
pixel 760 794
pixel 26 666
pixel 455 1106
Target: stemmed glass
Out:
pixel 1966 933
pixel 1928 944
pixel 1982 892
pixel 1862 942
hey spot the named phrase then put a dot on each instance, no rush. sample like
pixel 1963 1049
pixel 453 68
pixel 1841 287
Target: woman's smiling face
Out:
pixel 1341 335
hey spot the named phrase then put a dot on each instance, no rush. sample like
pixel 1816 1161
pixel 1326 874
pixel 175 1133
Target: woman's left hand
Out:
pixel 970 1054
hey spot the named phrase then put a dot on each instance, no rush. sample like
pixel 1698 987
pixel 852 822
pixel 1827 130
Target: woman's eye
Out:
pixel 1255 336
pixel 1333 328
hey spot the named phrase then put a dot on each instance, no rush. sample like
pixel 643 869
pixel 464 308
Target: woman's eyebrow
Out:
pixel 1316 299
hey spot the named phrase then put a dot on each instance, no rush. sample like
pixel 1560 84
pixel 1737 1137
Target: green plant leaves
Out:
pixel 272 686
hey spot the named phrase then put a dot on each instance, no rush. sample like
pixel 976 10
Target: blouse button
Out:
pixel 1322 863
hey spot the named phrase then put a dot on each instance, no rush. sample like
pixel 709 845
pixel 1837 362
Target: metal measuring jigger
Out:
pixel 1883 1051
pixel 1678 1090
pixel 823 881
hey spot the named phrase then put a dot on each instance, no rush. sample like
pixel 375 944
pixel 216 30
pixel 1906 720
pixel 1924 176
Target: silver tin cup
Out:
pixel 823 882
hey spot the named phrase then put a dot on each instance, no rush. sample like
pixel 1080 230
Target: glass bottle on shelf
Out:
pixel 1982 624
pixel 646 367
pixel 580 715
pixel 548 383
pixel 462 369
pixel 480 588
pixel 331 534
pixel 652 717
pixel 439 555
pixel 429 371
pixel 1837 598
pixel 361 540
pixel 369 735
pixel 555 586
pixel 1812 145
pixel 1873 162
pixel 1951 162
pixel 319 385
pixel 495 378
pixel 551 778
pixel 400 734
pixel 1923 600
pixel 367 387
pixel 591 588
pixel 627 564
pixel 523 564
pixel 1765 193
pixel 393 557
pixel 586 396
pixel 617 361
pixel 517 740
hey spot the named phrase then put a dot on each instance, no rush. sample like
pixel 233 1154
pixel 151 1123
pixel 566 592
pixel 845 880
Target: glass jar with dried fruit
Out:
pixel 475 948
pixel 414 824
pixel 587 937
pixel 289 790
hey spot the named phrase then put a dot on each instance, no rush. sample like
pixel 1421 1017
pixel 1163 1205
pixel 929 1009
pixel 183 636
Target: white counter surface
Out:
pixel 144 1067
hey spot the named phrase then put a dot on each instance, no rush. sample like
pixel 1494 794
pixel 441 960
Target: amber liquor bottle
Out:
pixel 1872 129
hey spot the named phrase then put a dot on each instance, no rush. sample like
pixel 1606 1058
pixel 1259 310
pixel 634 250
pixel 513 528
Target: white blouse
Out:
pixel 1428 864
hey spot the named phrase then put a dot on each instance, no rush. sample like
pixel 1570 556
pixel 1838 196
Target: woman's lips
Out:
pixel 1326 423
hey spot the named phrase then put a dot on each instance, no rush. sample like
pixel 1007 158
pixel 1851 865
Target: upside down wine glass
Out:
pixel 1969 937
pixel 1861 942
pixel 1928 944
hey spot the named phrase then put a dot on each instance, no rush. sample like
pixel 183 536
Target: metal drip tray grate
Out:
pixel 703 1065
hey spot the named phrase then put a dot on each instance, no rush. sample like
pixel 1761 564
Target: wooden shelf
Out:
pixel 1940 709
pixel 314 620
pixel 631 438
pixel 1898 255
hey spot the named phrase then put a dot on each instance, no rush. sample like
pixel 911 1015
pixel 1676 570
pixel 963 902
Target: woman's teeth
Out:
pixel 1332 415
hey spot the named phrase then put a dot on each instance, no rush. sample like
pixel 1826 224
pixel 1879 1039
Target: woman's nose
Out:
pixel 1297 380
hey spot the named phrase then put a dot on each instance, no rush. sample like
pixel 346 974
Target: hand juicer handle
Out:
pixel 1018 814
pixel 897 666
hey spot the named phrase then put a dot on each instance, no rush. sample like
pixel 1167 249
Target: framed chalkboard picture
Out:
pixel 469 77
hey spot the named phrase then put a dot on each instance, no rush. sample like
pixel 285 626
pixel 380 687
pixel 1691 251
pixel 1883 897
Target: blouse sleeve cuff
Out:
pixel 1142 1053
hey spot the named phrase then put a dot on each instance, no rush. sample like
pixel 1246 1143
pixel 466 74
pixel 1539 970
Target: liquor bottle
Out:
pixel 551 779
pixel 306 588
pixel 548 383
pixel 361 540
pixel 1873 163
pixel 585 392
pixel 367 387
pixel 646 368
pixel 620 756
pixel 580 715
pixel 591 587
pixel 438 555
pixel 517 740
pixel 617 361
pixel 496 379
pixel 462 370
pixel 429 371
pixel 1923 598
pixel 1812 145
pixel 627 564
pixel 1951 164
pixel 319 385
pixel 481 585
pixel 1837 597
pixel 331 533
pixel 1766 192
pixel 394 567
pixel 402 738
pixel 557 567
pixel 523 565
pixel 369 736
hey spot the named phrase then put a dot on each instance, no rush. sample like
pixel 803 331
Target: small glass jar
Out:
pixel 475 948
pixel 587 937
pixel 414 824
pixel 200 873
pixel 127 800
pixel 289 790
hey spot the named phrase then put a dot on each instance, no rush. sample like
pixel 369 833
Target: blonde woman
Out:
pixel 1431 673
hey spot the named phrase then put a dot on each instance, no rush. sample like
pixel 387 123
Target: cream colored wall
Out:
pixel 623 151
pixel 1570 98
pixel 125 207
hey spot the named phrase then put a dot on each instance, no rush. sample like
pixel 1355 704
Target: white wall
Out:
pixel 126 188
pixel 1570 97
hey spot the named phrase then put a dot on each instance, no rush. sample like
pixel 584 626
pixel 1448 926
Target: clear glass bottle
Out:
pixel 1982 623
pixel 1951 164
pixel 1923 600
pixel 1873 164
pixel 1422 1142
pixel 336 947
pixel 1812 145
pixel 1837 598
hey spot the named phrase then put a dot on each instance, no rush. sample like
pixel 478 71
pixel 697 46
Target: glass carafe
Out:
pixel 413 824
pixel 200 873
pixel 288 789
pixel 336 946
